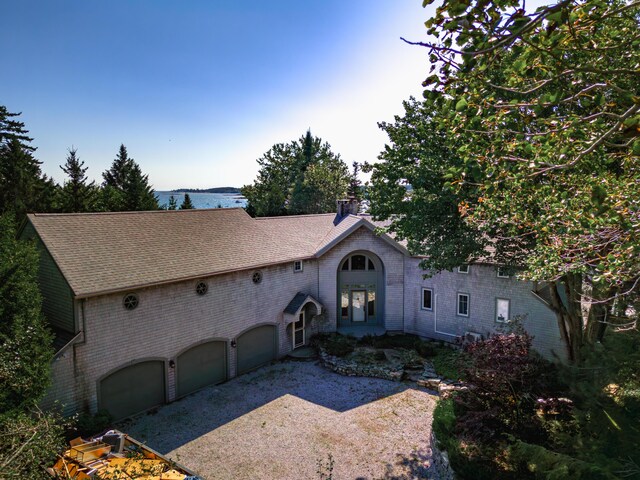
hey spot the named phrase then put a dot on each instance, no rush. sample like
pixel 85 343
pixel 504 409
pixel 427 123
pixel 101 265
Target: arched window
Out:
pixel 358 262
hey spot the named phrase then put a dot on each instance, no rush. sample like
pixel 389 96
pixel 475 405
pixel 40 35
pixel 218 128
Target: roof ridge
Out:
pixel 135 212
pixel 280 217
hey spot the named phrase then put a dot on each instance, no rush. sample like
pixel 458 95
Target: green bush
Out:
pixel 450 363
pixel 339 345
pixel 88 425
pixel 426 349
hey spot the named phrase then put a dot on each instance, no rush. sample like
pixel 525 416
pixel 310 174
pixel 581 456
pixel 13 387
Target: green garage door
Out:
pixel 133 389
pixel 256 347
pixel 202 365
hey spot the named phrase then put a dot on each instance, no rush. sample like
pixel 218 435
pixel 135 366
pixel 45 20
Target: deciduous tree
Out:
pixel 541 113
pixel 301 177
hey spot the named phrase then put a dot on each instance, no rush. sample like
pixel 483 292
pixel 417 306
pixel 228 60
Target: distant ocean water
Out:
pixel 205 200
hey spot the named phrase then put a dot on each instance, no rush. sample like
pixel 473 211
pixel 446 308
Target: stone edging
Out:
pixel 440 461
pixel 353 369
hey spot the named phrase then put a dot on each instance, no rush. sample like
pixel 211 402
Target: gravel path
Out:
pixel 285 421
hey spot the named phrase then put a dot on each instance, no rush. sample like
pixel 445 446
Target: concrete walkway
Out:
pixel 292 420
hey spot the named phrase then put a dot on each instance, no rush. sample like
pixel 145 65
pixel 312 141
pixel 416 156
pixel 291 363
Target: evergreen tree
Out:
pixel 186 203
pixel 25 342
pixel 125 188
pixel 173 203
pixel 11 129
pixel 29 438
pixel 76 195
pixel 355 185
pixel 23 188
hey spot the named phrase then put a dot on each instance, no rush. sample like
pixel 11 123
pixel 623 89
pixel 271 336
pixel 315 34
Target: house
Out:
pixel 150 306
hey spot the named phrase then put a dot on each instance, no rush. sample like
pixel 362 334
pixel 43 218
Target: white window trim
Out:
pixel 463 271
pixel 458 304
pixel 502 275
pixel 422 307
pixel 297 270
pixel 506 320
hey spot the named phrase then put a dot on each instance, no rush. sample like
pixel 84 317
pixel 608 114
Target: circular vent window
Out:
pixel 257 277
pixel 130 301
pixel 201 288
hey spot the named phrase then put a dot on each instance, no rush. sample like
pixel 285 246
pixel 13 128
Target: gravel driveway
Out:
pixel 286 420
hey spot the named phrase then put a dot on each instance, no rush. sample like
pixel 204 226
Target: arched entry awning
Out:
pixel 299 301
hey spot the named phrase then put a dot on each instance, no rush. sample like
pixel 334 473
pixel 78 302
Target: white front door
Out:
pixel 358 305
pixel 298 331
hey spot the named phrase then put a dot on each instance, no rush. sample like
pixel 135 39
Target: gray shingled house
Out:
pixel 150 306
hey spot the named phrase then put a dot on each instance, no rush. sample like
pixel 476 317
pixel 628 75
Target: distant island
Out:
pixel 208 190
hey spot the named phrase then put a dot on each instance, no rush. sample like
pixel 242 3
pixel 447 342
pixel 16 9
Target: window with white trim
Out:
pixel 463 304
pixel 502 310
pixel 463 269
pixel 427 299
pixel 297 266
pixel 503 272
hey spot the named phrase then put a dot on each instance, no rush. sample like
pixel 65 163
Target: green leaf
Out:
pixel 461 105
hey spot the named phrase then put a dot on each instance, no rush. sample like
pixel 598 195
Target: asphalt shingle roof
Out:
pixel 108 252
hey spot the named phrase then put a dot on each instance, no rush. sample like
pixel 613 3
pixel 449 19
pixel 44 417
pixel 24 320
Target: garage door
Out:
pixel 256 347
pixel 202 365
pixel 133 389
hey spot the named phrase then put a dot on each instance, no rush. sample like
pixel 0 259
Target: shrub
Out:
pixel 339 345
pixel 450 363
pixel 425 349
pixel 88 425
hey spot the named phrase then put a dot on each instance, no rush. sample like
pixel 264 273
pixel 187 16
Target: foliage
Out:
pixel 540 115
pixel 25 342
pixel 125 188
pixel 29 441
pixel 450 363
pixel 336 344
pixel 186 203
pixel 28 437
pixel 12 129
pixel 301 177
pixel 88 425
pixel 77 195
pixel 354 190
pixel 517 421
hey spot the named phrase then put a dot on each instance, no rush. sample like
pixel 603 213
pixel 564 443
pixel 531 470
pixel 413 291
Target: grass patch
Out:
pixel 450 363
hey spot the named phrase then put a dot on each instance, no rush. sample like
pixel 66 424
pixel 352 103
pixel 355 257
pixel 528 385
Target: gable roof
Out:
pixel 101 253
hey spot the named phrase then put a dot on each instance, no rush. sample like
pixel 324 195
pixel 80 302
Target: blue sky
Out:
pixel 198 90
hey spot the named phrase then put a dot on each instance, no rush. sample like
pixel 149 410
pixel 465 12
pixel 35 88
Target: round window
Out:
pixel 201 288
pixel 256 277
pixel 130 301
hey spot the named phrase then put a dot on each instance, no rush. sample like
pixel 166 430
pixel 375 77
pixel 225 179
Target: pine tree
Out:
pixel 355 186
pixel 125 187
pixel 77 195
pixel 186 203
pixel 173 203
pixel 13 130
pixel 23 187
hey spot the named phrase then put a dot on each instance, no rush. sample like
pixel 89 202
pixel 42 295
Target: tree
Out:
pixel 173 203
pixel 186 203
pixel 125 187
pixel 23 187
pixel 28 437
pixel 355 185
pixel 26 343
pixel 11 129
pixel 77 195
pixel 541 115
pixel 301 177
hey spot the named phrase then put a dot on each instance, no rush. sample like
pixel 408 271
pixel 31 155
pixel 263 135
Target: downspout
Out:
pixel 435 318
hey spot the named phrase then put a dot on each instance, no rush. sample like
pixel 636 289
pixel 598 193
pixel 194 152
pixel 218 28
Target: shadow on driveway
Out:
pixel 171 426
